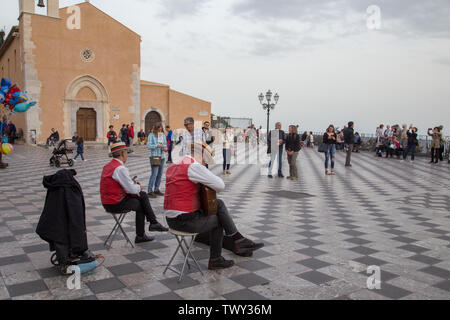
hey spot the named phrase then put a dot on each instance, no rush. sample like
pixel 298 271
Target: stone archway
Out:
pixel 151 119
pixel 96 98
pixel 152 116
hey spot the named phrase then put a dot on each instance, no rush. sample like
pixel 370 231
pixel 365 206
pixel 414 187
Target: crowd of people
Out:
pixel 402 141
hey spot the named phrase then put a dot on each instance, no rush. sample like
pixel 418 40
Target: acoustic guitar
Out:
pixel 208 200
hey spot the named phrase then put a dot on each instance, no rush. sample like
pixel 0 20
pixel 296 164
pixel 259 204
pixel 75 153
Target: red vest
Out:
pixel 181 193
pixel 111 191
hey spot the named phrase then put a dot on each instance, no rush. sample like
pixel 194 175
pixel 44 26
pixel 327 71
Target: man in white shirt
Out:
pixel 190 136
pixel 183 210
pixel 120 193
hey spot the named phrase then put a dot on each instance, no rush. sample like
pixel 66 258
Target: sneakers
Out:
pixel 143 239
pixel 158 227
pixel 151 195
pixel 280 176
pixel 158 193
pixel 220 263
pixel 270 176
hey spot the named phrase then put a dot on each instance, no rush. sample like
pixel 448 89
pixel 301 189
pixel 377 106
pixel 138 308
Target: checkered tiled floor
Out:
pixel 321 233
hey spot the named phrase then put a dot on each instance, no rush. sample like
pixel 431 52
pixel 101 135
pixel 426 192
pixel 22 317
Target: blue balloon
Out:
pixel 6 82
pixel 23 107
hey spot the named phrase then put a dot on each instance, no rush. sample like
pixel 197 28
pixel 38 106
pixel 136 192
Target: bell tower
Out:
pixel 27 6
pixel 53 8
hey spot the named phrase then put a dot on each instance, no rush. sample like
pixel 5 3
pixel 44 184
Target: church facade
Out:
pixel 85 75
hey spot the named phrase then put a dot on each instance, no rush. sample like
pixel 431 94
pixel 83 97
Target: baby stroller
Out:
pixel 60 154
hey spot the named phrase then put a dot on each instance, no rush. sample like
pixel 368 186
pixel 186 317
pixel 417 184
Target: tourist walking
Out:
pixel 340 141
pixel 292 149
pixel 157 145
pixel 124 134
pixel 275 142
pixel 436 136
pixel 131 135
pixel 329 139
pixel 380 141
pixel 358 142
pixel 228 142
pixel 80 149
pixel 349 138
pixel 411 144
pixel 169 139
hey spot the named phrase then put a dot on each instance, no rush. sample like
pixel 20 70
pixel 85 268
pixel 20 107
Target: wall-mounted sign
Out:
pixel 116 117
pixel 115 108
pixel 203 113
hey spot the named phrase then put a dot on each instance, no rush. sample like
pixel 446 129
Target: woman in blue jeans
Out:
pixel 330 138
pixel 157 145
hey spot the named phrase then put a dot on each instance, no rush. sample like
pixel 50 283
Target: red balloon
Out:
pixel 9 96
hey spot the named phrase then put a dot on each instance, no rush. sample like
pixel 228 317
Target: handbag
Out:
pixel 208 200
pixel 323 148
pixel 156 161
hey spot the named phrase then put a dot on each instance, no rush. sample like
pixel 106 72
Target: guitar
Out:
pixel 208 200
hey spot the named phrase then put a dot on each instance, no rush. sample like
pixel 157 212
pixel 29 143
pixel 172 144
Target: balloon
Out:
pixel 6 82
pixel 9 96
pixel 7 148
pixel 23 107
pixel 18 97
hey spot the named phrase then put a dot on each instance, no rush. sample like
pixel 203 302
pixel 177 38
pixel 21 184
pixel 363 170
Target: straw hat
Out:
pixel 117 147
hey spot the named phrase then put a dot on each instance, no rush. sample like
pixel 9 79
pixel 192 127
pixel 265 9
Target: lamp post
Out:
pixel 268 105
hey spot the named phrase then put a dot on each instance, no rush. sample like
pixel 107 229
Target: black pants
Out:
pixel 169 151
pixel 140 205
pixel 435 155
pixel 197 222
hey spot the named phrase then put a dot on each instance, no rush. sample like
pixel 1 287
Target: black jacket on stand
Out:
pixel 63 220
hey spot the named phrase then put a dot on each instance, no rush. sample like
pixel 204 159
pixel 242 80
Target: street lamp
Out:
pixel 268 105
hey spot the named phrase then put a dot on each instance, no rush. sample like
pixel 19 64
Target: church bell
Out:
pixel 41 4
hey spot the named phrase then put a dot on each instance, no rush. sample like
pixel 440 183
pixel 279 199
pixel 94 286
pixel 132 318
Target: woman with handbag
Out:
pixel 329 139
pixel 228 142
pixel 157 144
pixel 292 149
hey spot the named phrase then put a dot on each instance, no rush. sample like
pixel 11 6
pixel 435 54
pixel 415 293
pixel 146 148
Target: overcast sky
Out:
pixel 320 56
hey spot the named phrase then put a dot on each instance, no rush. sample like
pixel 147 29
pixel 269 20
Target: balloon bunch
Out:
pixel 12 98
